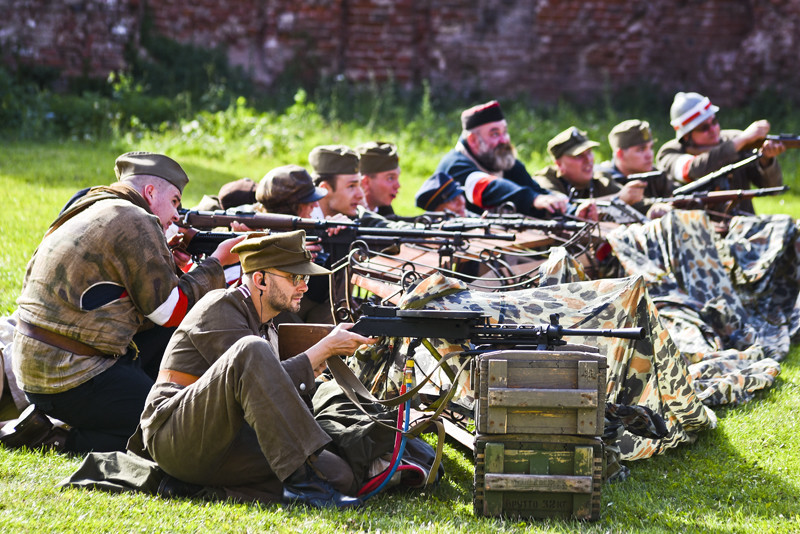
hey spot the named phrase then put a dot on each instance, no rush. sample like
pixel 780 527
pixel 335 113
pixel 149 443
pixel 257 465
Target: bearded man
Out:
pixel 484 162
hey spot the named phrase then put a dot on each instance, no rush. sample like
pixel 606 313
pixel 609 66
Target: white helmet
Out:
pixel 689 110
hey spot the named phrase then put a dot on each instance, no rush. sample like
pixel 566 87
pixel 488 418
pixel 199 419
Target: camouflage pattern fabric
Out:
pixel 731 324
pixel 646 372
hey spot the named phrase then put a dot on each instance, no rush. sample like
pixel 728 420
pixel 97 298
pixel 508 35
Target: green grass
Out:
pixel 740 477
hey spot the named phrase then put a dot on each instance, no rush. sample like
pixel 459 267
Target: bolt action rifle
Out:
pixel 719 197
pixel 197 243
pixel 788 140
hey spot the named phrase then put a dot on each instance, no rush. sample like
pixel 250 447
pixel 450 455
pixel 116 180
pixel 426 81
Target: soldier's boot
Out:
pixel 306 486
pixel 33 429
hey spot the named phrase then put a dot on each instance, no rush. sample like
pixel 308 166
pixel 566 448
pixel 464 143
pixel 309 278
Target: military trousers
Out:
pixel 243 423
pixel 104 411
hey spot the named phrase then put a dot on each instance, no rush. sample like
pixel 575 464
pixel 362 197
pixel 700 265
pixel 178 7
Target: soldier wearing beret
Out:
pixel 631 143
pixel 225 411
pixel 700 147
pixel 380 176
pixel 101 279
pixel 485 164
pixel 572 172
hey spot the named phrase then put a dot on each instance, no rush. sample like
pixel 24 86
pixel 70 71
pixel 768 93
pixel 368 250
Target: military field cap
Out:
pixel 377 157
pixel 289 184
pixel 570 142
pixel 436 190
pixel 237 193
pixel 285 251
pixel 149 164
pixel 630 133
pixel 333 159
pixel 481 114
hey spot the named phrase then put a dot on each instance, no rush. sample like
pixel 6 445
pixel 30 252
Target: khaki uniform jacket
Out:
pixel 219 320
pixel 96 279
pixel 600 186
pixel 659 187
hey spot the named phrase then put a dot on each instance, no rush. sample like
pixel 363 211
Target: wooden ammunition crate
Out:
pixel 540 392
pixel 538 476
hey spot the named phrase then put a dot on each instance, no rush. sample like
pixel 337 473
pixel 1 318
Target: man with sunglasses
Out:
pixel 701 147
pixel 225 412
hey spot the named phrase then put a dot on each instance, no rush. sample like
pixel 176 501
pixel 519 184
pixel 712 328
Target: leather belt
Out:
pixel 58 341
pixel 176 377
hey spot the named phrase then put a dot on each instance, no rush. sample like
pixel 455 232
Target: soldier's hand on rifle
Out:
pixel 338 217
pixel 552 203
pixel 237 226
pixel 176 246
pixel 756 131
pixel 632 192
pixel 223 252
pixel 340 342
pixel 587 211
pixel 314 249
pixel 769 150
pixel 659 209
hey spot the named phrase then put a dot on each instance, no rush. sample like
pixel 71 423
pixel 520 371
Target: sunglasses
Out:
pixel 295 278
pixel 706 126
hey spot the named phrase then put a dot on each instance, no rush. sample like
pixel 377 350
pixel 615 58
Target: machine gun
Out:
pixel 462 326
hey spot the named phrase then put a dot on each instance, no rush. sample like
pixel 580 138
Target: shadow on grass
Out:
pixel 737 478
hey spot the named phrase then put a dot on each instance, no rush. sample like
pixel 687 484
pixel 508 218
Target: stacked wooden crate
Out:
pixel 539 416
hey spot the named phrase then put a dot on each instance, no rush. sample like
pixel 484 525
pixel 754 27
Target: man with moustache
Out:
pixel 485 164
pixel 572 172
pixel 701 147
pixel 631 144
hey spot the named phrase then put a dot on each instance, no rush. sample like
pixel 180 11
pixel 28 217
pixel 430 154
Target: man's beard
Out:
pixel 280 301
pixel 500 158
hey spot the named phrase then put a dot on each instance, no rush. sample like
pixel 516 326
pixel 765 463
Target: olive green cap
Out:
pixel 570 142
pixel 334 159
pixel 377 156
pixel 630 133
pixel 149 164
pixel 285 251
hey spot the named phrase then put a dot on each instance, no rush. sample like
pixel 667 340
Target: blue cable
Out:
pixel 399 455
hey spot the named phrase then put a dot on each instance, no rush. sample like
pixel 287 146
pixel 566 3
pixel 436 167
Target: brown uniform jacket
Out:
pixel 673 158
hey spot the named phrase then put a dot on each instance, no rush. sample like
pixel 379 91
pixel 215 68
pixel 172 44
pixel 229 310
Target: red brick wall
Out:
pixel 729 49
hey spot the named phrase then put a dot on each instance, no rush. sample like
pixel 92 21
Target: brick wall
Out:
pixel 729 49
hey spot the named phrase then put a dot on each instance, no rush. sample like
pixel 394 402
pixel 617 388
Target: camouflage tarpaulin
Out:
pixel 732 334
pixel 646 372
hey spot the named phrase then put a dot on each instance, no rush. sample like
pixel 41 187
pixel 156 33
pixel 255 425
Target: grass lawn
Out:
pixel 740 477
